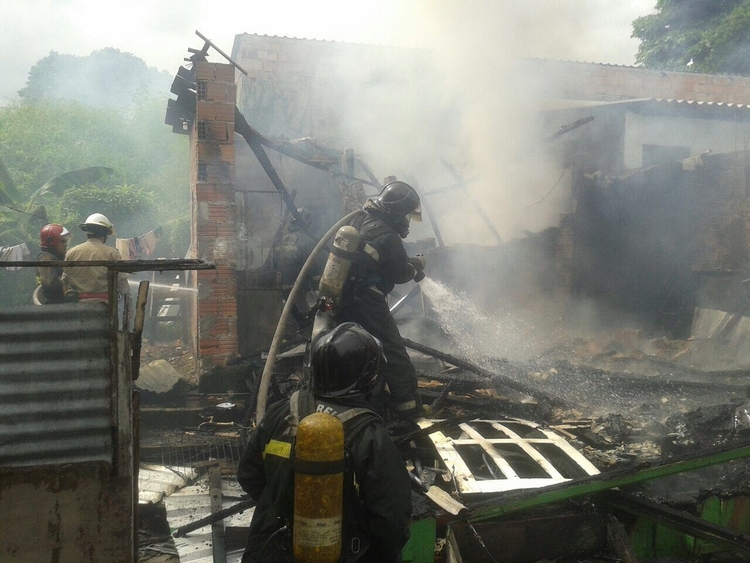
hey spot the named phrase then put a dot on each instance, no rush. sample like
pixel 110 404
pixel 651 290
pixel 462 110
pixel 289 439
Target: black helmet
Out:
pixel 399 199
pixel 345 362
pixel 305 217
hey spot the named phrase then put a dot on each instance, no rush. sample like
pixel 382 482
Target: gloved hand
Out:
pixel 419 262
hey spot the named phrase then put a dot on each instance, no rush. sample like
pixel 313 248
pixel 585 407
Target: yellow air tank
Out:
pixel 336 272
pixel 318 489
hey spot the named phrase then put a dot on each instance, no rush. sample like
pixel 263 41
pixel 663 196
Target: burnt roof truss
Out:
pixel 491 456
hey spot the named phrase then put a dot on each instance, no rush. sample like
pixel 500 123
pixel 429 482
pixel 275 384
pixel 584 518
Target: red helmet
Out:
pixel 51 234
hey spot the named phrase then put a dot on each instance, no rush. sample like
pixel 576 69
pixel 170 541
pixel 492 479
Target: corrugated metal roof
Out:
pixel 698 103
pixel 54 385
pixel 635 67
pixel 664 102
pixel 239 37
pixel 157 481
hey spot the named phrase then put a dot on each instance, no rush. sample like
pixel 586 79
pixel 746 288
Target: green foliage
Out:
pixel 711 36
pixel 127 206
pixel 107 77
pixel 89 136
pixel 59 184
pixel 149 185
pixel 175 239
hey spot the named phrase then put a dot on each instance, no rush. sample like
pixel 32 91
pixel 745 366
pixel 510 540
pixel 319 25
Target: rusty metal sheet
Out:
pixel 54 385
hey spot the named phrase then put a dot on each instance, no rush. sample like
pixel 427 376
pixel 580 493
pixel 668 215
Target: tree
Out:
pixel 149 165
pixel 19 220
pixel 107 77
pixel 711 36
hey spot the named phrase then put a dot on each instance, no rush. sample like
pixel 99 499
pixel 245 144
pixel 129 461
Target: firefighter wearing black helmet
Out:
pixel 296 245
pixel 381 263
pixel 344 368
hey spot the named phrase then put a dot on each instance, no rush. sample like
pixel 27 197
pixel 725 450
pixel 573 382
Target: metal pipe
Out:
pixel 401 302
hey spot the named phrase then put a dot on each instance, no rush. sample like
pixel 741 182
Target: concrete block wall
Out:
pixel 214 228
pixel 294 87
pixel 588 81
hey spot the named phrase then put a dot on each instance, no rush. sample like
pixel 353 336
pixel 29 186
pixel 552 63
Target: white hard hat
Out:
pixel 98 220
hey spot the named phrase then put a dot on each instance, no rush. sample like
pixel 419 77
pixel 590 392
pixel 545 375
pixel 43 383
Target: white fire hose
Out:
pixel 265 379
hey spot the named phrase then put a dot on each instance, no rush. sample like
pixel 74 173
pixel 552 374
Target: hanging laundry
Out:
pixel 147 242
pixel 16 253
pixel 122 246
pixel 139 247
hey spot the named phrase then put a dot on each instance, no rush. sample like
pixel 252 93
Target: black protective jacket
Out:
pixel 389 264
pixel 50 278
pixel 381 508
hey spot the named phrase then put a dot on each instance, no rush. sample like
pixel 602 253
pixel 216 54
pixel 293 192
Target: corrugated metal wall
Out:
pixel 55 404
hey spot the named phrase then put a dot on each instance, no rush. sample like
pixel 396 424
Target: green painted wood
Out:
pixel 602 482
pixel 421 545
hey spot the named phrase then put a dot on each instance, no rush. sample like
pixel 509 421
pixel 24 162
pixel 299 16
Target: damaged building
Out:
pixel 546 442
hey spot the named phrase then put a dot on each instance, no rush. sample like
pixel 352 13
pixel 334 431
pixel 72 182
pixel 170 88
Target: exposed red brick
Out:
pixel 225 72
pixel 208 151
pixel 213 192
pixel 214 111
pixel 227 150
pixel 228 307
pixel 204 70
pixel 221 92
pixel 207 230
pixel 220 131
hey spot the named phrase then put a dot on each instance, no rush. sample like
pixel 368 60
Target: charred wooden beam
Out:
pixel 478 208
pixel 242 127
pixel 493 378
pixel 437 427
pixel 222 53
pixel 127 266
pixel 492 408
pixel 253 139
pixel 571 127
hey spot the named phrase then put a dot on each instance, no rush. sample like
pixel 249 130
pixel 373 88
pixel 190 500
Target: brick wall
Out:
pixel 587 81
pixel 213 210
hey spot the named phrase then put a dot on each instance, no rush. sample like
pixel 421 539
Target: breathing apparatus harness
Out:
pixel 311 478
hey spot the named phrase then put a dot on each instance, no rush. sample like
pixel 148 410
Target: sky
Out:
pixel 160 31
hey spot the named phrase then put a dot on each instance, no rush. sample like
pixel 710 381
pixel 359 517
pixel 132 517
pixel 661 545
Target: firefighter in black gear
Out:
pixel 53 240
pixel 380 264
pixel 344 366
pixel 296 245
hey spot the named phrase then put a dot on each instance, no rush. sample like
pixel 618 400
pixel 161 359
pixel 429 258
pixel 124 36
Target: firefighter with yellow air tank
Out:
pixel 371 242
pixel 330 485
